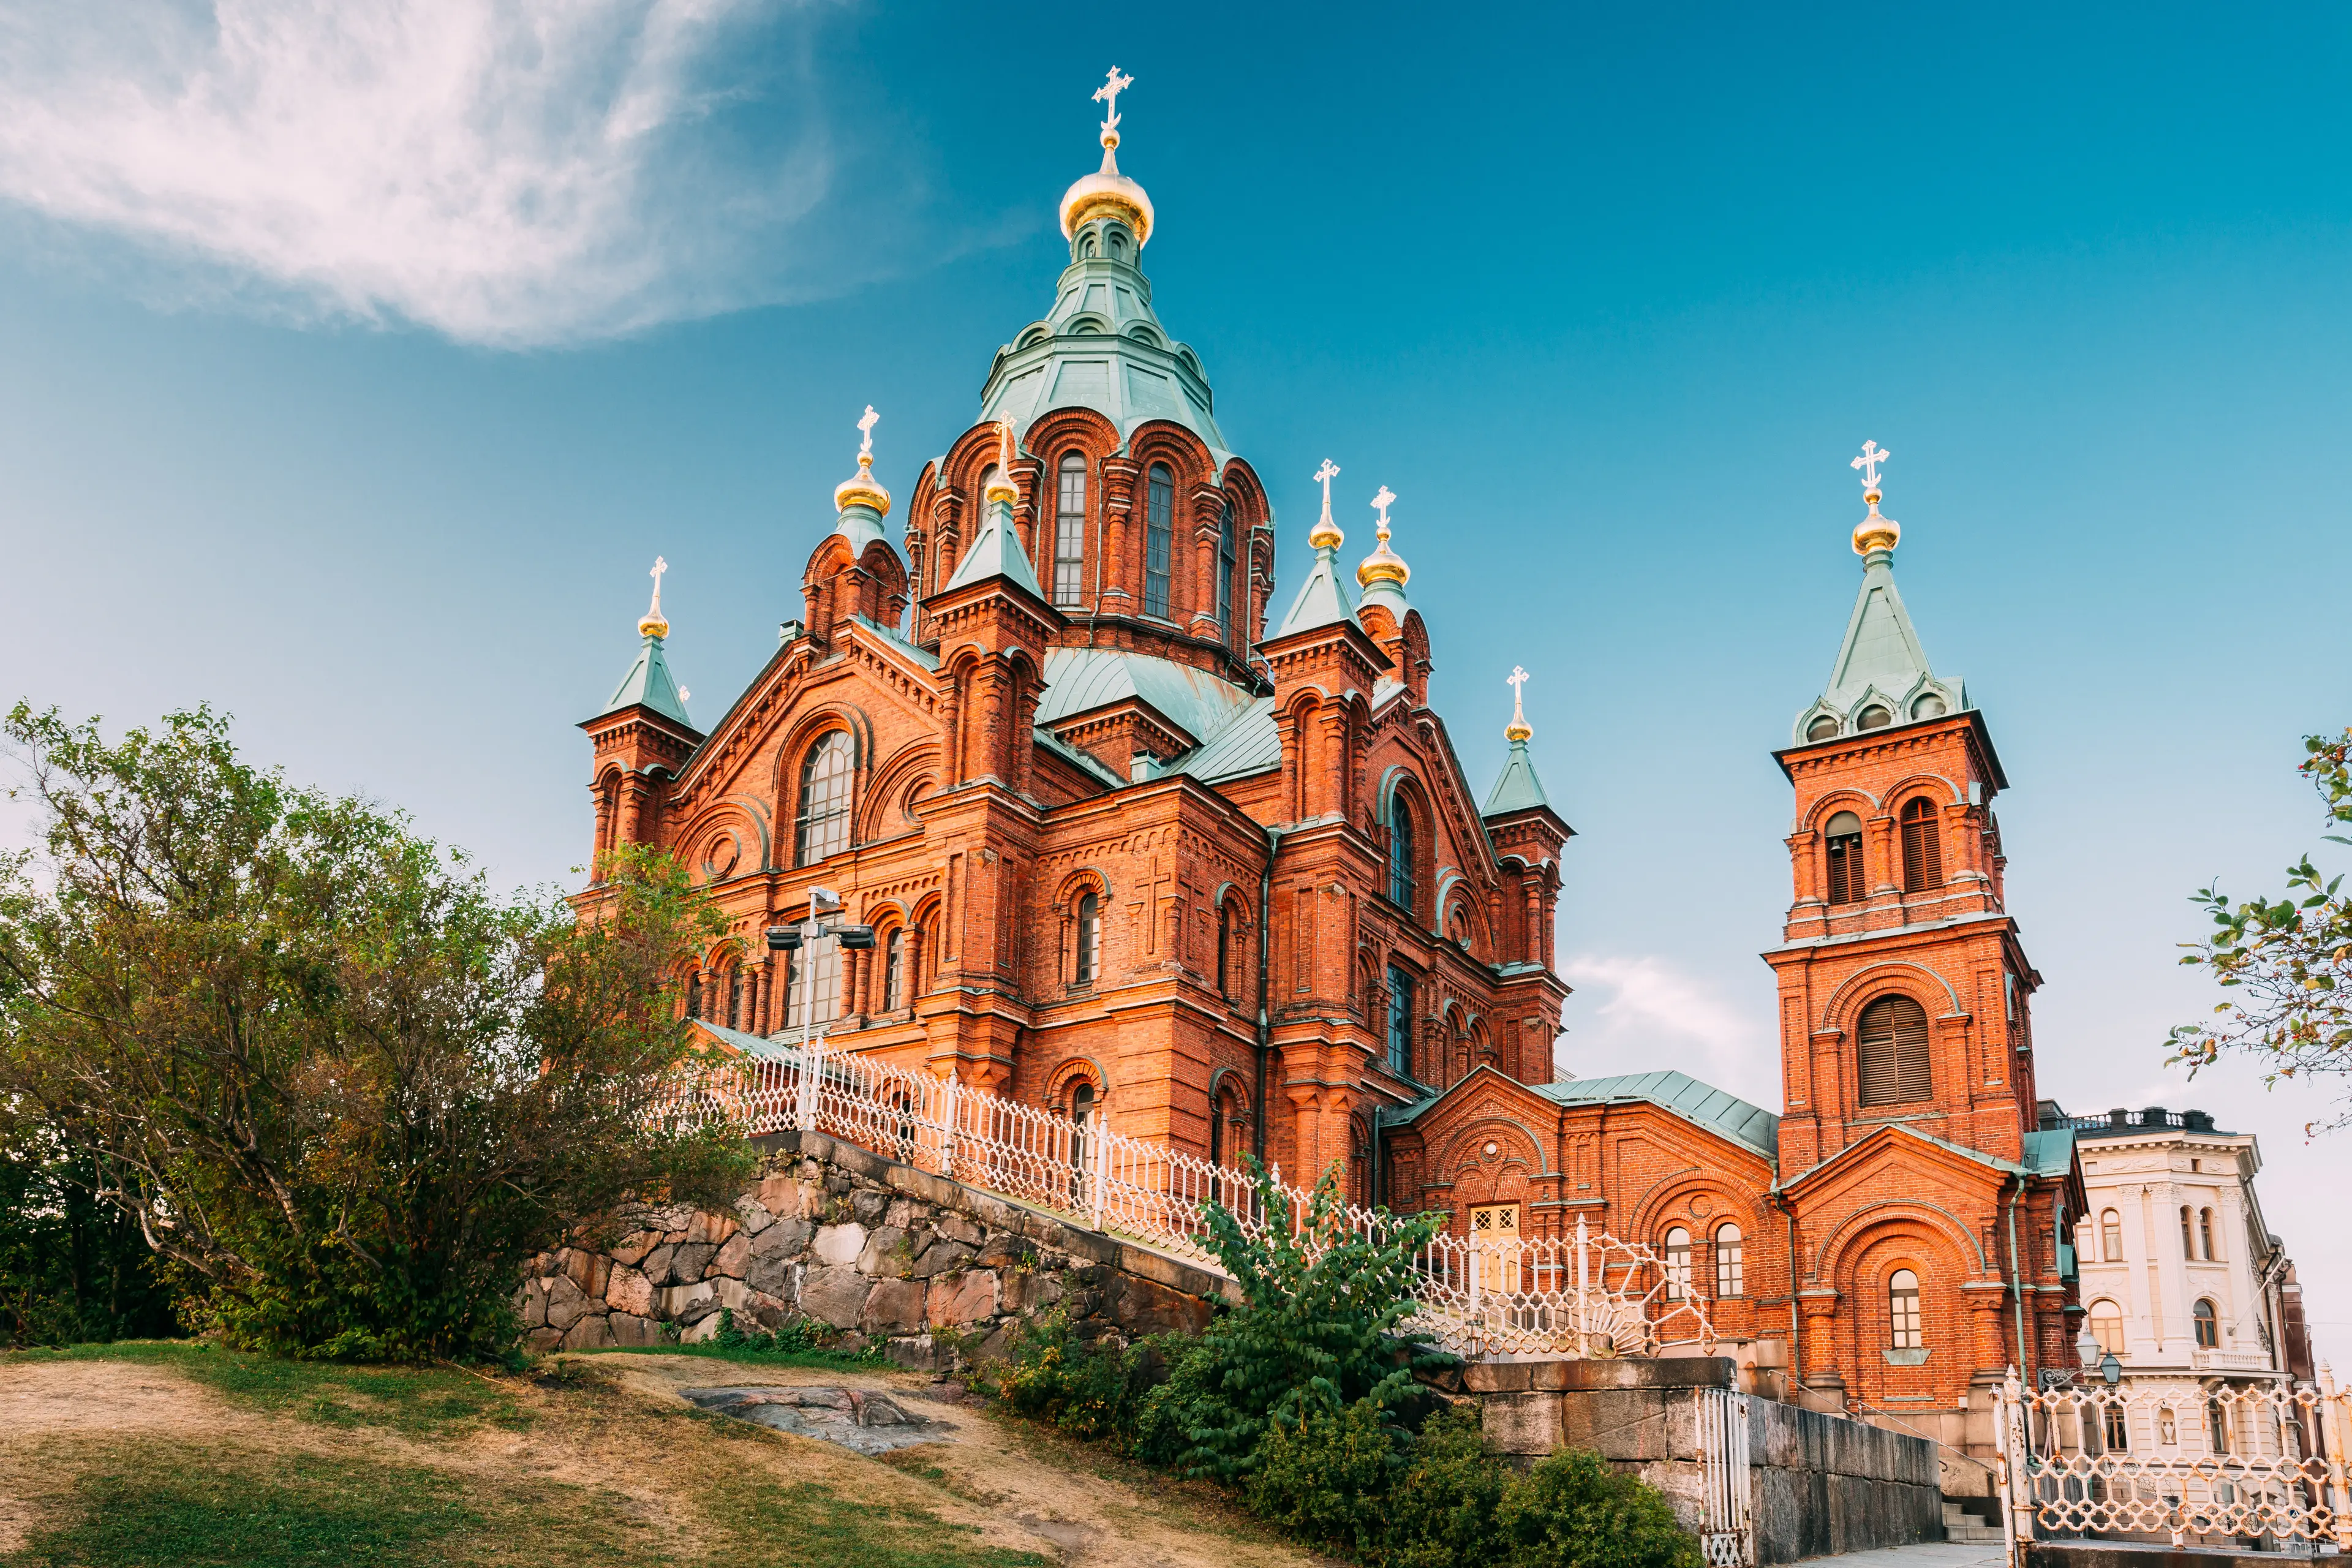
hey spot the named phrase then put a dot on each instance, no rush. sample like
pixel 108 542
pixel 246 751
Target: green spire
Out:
pixel 997 551
pixel 1518 788
pixel 1322 599
pixel 648 682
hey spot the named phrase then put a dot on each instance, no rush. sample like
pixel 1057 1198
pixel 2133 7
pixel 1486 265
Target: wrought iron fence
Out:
pixel 2211 1464
pixel 1586 1295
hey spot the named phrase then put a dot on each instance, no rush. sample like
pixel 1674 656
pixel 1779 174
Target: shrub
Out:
pixel 1089 1390
pixel 1573 1511
pixel 1327 1477
pixel 1441 1513
pixel 1319 1329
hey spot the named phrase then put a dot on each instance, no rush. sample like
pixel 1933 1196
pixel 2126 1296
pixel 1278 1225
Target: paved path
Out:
pixel 1930 1554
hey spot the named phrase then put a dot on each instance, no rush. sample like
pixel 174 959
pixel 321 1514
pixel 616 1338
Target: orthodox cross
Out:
pixel 1108 96
pixel 1327 473
pixel 1872 455
pixel 660 566
pixel 1384 500
pixel 1515 680
pixel 1004 449
pixel 865 429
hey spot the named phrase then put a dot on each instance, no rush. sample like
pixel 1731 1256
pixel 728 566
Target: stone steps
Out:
pixel 1966 1521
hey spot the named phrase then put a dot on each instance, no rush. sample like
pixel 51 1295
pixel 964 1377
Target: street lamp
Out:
pixel 2111 1369
pixel 816 928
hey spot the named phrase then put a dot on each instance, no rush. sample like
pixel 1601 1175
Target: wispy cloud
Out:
pixel 506 172
pixel 1641 1012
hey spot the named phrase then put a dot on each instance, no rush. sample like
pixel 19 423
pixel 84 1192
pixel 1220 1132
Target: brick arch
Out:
pixel 1868 1263
pixel 906 768
pixel 1862 803
pixel 1889 975
pixel 1064 1076
pixel 1473 1133
pixel 1832 1252
pixel 1947 793
pixel 1651 1212
pixel 809 727
pixel 690 841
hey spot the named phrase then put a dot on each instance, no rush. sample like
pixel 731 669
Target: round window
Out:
pixel 1873 717
pixel 1929 706
pixel 1824 726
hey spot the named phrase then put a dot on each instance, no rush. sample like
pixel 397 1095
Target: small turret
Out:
pixel 855 572
pixel 642 737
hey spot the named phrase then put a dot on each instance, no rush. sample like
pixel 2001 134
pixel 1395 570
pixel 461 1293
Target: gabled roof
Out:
pixel 1714 1108
pixel 649 684
pixel 1518 788
pixel 1898 1130
pixel 997 552
pixel 1079 679
pixel 1251 743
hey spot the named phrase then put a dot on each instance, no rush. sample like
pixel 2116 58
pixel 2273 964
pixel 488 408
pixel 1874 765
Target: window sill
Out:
pixel 1905 1358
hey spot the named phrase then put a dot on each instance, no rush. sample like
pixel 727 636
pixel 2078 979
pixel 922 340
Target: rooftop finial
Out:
pixel 1003 488
pixel 861 489
pixel 1326 533
pixel 1383 564
pixel 1108 96
pixel 1874 532
pixel 1518 728
pixel 653 624
pixel 1107 192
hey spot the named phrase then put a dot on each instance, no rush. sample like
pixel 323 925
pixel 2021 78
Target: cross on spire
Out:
pixel 1384 500
pixel 660 566
pixel 1518 728
pixel 1326 474
pixel 653 624
pixel 1108 96
pixel 865 429
pixel 1872 455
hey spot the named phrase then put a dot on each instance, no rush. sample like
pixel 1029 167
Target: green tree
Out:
pixel 72 1268
pixel 2287 963
pixel 1320 1327
pixel 341 1088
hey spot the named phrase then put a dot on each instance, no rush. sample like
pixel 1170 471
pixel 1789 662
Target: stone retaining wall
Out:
pixel 933 1270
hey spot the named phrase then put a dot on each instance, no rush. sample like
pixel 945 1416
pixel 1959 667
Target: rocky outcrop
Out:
pixel 938 1272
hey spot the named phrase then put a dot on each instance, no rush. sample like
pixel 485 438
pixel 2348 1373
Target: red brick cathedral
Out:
pixel 1143 844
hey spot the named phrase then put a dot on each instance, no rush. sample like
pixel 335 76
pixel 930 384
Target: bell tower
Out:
pixel 1903 987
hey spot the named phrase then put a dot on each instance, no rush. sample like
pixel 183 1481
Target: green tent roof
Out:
pixel 649 684
pixel 997 552
pixel 1518 788
pixel 1322 599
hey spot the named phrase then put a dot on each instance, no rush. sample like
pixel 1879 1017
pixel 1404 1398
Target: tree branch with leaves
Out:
pixel 2287 963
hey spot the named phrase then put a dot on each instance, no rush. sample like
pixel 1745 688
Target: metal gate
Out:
pixel 2258 1466
pixel 1728 1535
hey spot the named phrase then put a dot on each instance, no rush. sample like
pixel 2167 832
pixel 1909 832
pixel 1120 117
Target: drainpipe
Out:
pixel 1264 1022
pixel 1796 1332
pixel 2017 1282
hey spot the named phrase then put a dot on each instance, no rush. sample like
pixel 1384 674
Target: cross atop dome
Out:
pixel 1108 96
pixel 655 624
pixel 1107 192
pixel 861 488
pixel 1874 532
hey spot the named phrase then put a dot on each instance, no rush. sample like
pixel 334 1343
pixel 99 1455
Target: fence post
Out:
pixel 1584 1282
pixel 948 1098
pixel 812 1072
pixel 1098 1146
pixel 2334 1429
pixel 2016 1469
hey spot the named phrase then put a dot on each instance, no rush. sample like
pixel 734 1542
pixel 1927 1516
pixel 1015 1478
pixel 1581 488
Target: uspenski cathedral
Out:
pixel 1145 837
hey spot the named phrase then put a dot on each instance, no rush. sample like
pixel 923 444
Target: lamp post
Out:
pixel 824 923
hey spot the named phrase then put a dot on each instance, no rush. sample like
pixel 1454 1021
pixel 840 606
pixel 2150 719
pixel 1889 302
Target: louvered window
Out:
pixel 1159 538
pixel 1070 532
pixel 1843 834
pixel 1893 1046
pixel 1923 851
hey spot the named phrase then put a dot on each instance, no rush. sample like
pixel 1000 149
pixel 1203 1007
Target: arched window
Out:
pixel 813 994
pixel 1923 849
pixel 1400 1021
pixel 2111 1237
pixel 1730 1261
pixel 1216 1130
pixel 893 972
pixel 822 826
pixel 2208 1324
pixel 1904 1332
pixel 1892 1044
pixel 1844 836
pixel 735 1003
pixel 1226 553
pixel 1070 532
pixel 2217 1427
pixel 1677 1250
pixel 2107 1326
pixel 1823 728
pixel 1401 879
pixel 1159 537
pixel 1874 717
pixel 1224 951
pixel 2119 1431
pixel 2188 1241
pixel 1082 1113
pixel 1089 954
pixel 2205 1234
pixel 694 995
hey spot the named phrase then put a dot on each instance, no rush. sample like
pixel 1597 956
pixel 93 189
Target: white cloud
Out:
pixel 505 172
pixel 1640 1013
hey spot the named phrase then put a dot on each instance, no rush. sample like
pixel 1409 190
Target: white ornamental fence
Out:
pixel 2259 1465
pixel 1586 1295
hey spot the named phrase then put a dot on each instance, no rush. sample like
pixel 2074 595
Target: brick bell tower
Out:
pixel 1903 987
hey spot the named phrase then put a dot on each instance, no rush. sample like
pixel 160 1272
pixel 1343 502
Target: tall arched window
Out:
pixel 1224 951
pixel 893 972
pixel 1399 1021
pixel 1730 1261
pixel 2111 1237
pixel 1923 849
pixel 2208 1324
pixel 1677 1252
pixel 1082 1113
pixel 694 995
pixel 1844 838
pixel 2205 1234
pixel 822 826
pixel 1892 1044
pixel 1401 879
pixel 2188 1241
pixel 1159 537
pixel 2107 1326
pixel 1070 532
pixel 1904 1332
pixel 1216 1130
pixel 1227 550
pixel 1089 954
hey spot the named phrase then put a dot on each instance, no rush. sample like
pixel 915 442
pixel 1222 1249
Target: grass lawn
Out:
pixel 234 1460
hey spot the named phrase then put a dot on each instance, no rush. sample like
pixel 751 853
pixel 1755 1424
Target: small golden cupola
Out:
pixel 1384 573
pixel 1107 192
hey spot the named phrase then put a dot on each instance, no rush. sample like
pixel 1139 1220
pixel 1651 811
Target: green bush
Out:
pixel 1573 1511
pixel 1320 1330
pixel 73 1268
pixel 1089 1390
pixel 1441 1513
pixel 1327 1478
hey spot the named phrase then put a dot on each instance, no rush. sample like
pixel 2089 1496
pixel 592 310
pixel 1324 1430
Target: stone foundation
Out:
pixel 937 1272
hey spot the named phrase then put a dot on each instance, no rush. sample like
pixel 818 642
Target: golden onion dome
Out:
pixel 1107 192
pixel 652 623
pixel 1383 565
pixel 1874 532
pixel 861 488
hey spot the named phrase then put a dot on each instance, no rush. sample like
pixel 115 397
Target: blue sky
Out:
pixel 352 371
